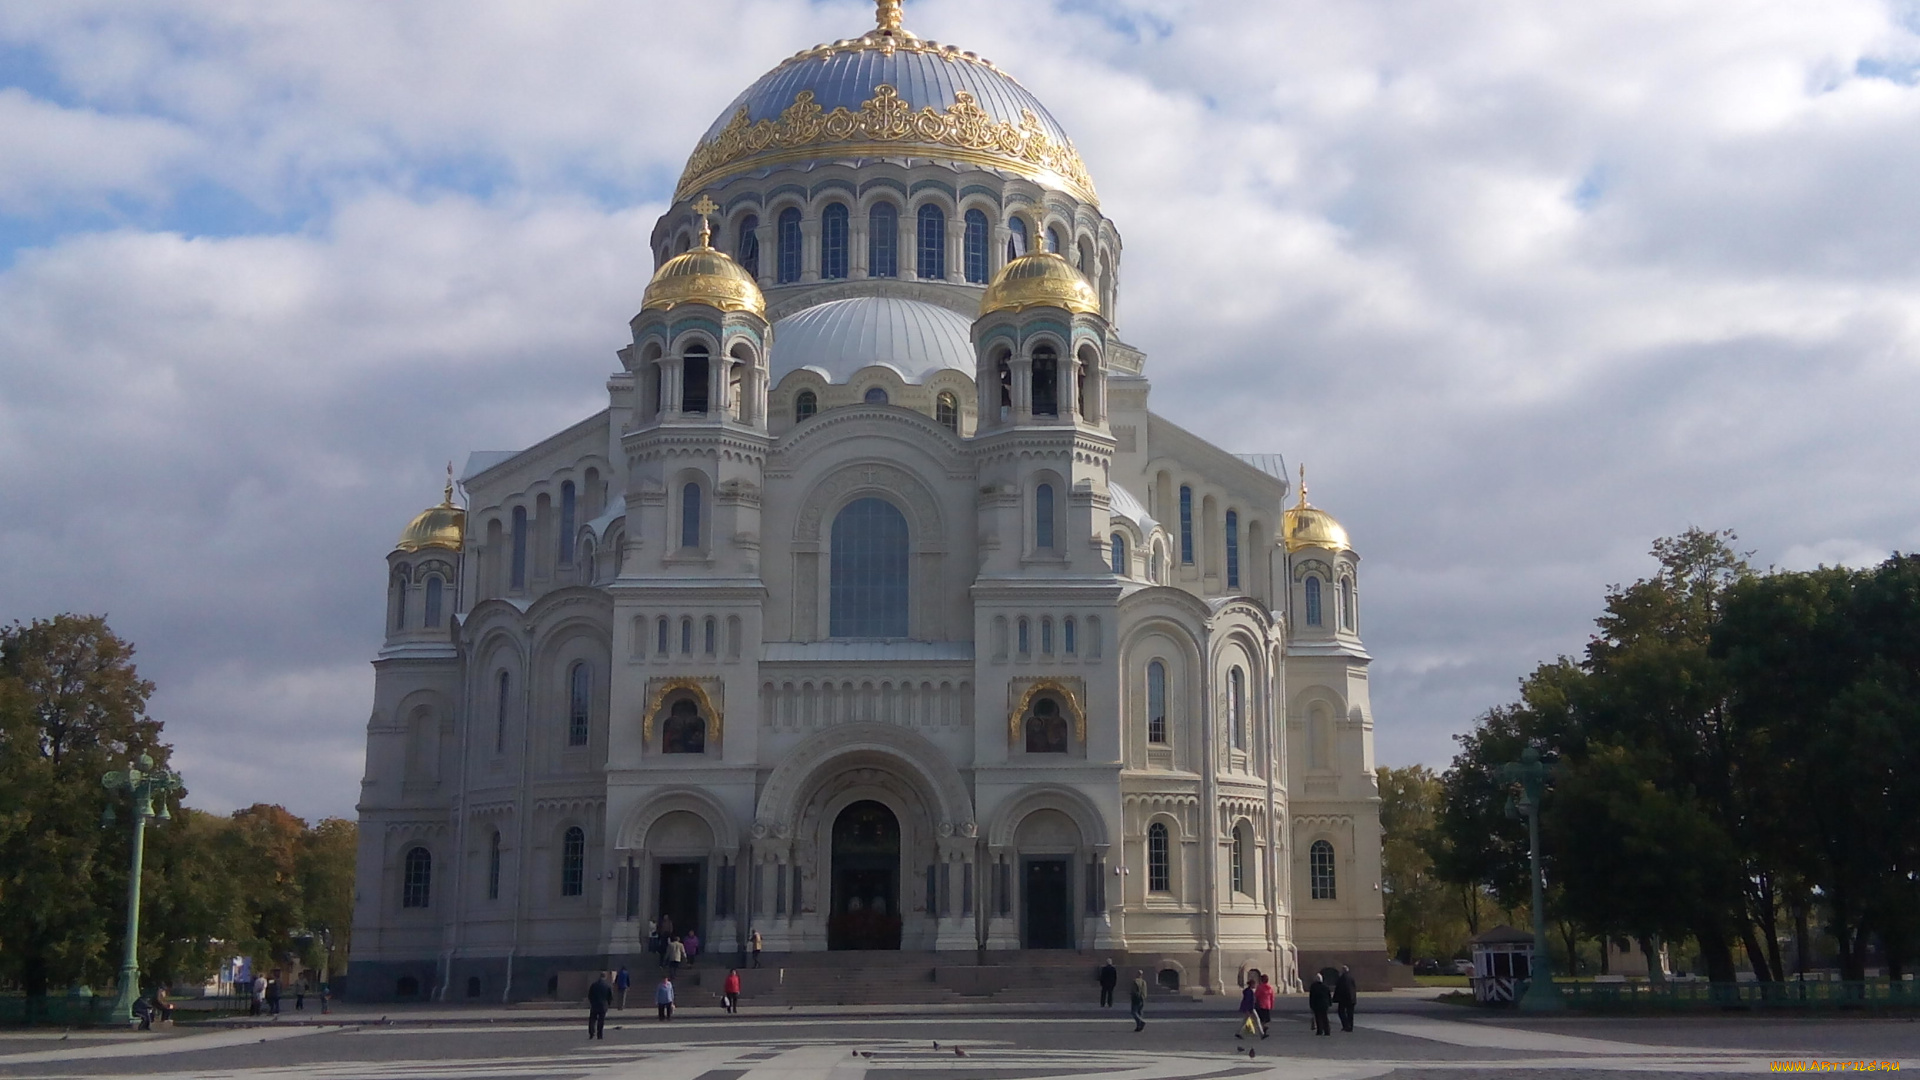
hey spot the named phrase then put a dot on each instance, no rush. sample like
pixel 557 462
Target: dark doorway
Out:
pixel 1047 905
pixel 866 879
pixel 683 894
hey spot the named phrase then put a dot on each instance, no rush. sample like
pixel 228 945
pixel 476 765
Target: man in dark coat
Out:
pixel 599 997
pixel 1345 996
pixel 1109 978
pixel 1319 997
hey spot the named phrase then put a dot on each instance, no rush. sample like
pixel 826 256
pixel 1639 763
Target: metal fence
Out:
pixel 63 1011
pixel 1872 994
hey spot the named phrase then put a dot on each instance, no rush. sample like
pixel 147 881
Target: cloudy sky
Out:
pixel 1526 285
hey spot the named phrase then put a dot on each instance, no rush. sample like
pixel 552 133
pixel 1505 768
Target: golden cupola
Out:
pixel 442 526
pixel 1040 279
pixel 1305 525
pixel 704 275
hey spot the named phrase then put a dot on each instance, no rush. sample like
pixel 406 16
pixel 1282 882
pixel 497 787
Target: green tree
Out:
pixel 326 862
pixel 267 842
pixel 1422 913
pixel 190 898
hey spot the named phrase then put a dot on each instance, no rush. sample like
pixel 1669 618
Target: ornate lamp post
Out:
pixel 1532 774
pixel 143 782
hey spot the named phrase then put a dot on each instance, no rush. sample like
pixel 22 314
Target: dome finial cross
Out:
pixel 887 18
pixel 704 207
pixel 1303 485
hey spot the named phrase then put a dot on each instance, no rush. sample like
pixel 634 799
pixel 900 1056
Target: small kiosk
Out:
pixel 1502 965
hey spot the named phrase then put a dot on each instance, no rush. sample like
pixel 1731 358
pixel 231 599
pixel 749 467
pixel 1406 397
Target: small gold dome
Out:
pixel 443 526
pixel 1305 525
pixel 703 275
pixel 1040 279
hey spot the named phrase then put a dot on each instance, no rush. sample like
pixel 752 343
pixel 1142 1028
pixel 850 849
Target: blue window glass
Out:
pixel 1046 636
pixel 519 547
pixel 690 516
pixel 1346 602
pixel 1054 243
pixel 1026 637
pixel 1069 640
pixel 1016 238
pixel 869 567
pixel 1233 550
pixel 1320 869
pixel 579 698
pixel 568 507
pixel 1236 708
pixel 1156 702
pixel 1313 601
pixel 833 242
pixel 746 250
pixel 1118 554
pixel 976 247
pixel 713 637
pixel 883 241
pixel 875 395
pixel 686 636
pixel 789 245
pixel 933 243
pixel 573 862
pixel 1186 524
pixel 434 592
pixel 1043 516
pixel 1159 859
pixel 417 886
pixel 805 405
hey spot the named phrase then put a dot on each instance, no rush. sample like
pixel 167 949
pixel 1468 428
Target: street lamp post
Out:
pixel 143 782
pixel 1532 774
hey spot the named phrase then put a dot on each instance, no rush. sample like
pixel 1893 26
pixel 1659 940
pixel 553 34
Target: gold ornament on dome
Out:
pixel 443 526
pixel 884 126
pixel 703 275
pixel 1305 525
pixel 1040 279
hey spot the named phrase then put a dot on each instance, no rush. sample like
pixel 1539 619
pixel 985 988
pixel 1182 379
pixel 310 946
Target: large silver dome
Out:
pixel 840 337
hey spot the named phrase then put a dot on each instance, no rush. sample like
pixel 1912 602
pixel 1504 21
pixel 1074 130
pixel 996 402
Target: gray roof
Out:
pixel 1122 504
pixel 1272 464
pixel 840 337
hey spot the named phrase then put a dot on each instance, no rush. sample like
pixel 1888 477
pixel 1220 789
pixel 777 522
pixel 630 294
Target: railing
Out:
pixel 1871 994
pixel 58 1011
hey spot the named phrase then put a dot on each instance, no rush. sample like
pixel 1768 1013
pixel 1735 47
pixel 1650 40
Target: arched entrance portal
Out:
pixel 866 878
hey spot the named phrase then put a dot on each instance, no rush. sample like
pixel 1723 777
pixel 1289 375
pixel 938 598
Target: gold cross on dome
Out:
pixel 705 206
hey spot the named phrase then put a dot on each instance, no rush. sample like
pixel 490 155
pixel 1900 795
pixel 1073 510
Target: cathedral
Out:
pixel 876 610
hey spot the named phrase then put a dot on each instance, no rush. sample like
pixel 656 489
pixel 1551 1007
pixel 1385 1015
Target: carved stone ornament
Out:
pixel 1023 691
pixel 663 686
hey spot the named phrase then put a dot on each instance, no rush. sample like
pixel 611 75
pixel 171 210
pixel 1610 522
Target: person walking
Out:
pixel 663 998
pixel 1319 997
pixel 300 995
pixel 259 995
pixel 621 984
pixel 1248 1025
pixel 692 942
pixel 273 998
pixel 676 955
pixel 1345 996
pixel 753 940
pixel 730 992
pixel 1138 999
pixel 599 996
pixel 1109 978
pixel 1263 1004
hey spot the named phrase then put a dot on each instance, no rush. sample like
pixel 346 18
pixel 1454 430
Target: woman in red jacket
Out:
pixel 730 992
pixel 1263 1005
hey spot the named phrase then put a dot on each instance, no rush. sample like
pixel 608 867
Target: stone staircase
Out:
pixel 890 978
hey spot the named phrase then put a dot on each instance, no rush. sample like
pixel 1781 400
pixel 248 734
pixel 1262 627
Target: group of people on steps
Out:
pixel 1256 999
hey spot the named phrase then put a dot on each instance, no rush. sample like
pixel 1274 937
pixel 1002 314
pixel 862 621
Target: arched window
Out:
pixel 746 248
pixel 1186 525
pixel 685 731
pixel 693 379
pixel 690 515
pixel 1313 601
pixel 713 636
pixel 869 567
pixel 1054 242
pixel 946 409
pixel 933 243
pixel 579 699
pixel 1237 861
pixel 1025 635
pixel 500 714
pixel 655 395
pixel 875 395
pixel 1153 563
pixel 805 404
pixel 1236 708
pixel 883 241
pixel 1320 869
pixel 434 592
pixel 493 866
pixel 568 506
pixel 573 862
pixel 1156 702
pixel 1069 638
pixel 686 636
pixel 1046 635
pixel 1003 370
pixel 1117 554
pixel 833 241
pixel 1016 238
pixel 1043 517
pixel 416 887
pixel 519 547
pixel 1046 382
pixel 1346 601
pixel 1159 859
pixel 789 241
pixel 1233 550
pixel 663 639
pixel 1046 728
pixel 976 247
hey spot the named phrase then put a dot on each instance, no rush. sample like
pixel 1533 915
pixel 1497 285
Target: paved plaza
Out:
pixel 1398 1038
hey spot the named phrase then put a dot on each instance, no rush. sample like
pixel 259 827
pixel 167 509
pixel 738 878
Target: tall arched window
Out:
pixel 1313 601
pixel 946 409
pixel 569 500
pixel 694 391
pixel 805 404
pixel 1233 550
pixel 493 866
pixel 1320 869
pixel 1069 636
pixel 1046 728
pixel 1237 863
pixel 976 247
pixel 1153 563
pixel 1346 601
pixel 519 547
pixel 1046 635
pixel 663 638
pixel 435 590
pixel 1024 636
pixel 867 593
pixel 1159 859
pixel 500 714
pixel 400 600
pixel 1156 702
pixel 579 701
pixel 713 636
pixel 686 636
pixel 416 887
pixel 1003 371
pixel 1117 554
pixel 833 241
pixel 789 241
pixel 1186 525
pixel 690 515
pixel 1054 241
pixel 1043 517
pixel 1046 382
pixel 685 730
pixel 573 862
pixel 746 248
pixel 1016 238
pixel 883 241
pixel 1236 708
pixel 933 243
